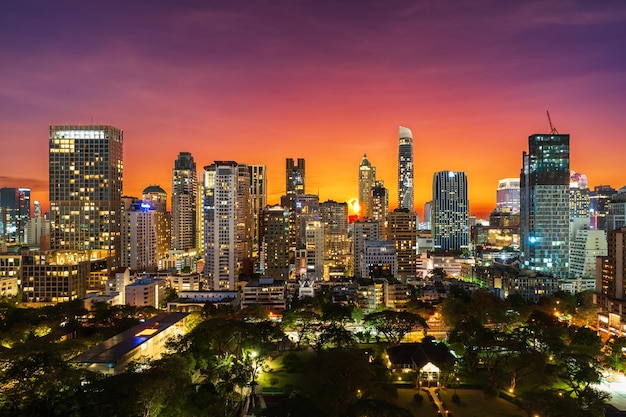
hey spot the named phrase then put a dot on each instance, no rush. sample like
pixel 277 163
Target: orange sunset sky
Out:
pixel 258 82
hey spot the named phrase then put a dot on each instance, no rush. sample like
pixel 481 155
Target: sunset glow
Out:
pixel 325 81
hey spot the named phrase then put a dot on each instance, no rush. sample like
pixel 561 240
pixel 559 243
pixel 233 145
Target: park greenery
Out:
pixel 543 357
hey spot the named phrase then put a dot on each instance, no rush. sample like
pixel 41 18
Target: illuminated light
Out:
pixel 146 332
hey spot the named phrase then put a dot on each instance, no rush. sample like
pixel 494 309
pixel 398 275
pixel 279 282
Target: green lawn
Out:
pixel 475 404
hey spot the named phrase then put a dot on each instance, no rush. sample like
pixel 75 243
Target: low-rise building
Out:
pixel 266 291
pixel 146 340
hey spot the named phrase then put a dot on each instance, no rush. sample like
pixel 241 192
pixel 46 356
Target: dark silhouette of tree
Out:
pixel 394 325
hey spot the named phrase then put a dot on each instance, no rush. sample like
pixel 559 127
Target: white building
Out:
pixel 315 250
pixel 378 259
pixel 226 222
pixel 583 252
pixel 145 291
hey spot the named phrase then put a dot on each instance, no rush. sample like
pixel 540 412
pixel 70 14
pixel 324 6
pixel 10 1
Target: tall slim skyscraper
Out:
pixel 405 168
pixel 184 194
pixel 86 167
pixel 450 211
pixel 226 220
pixel 258 201
pixel 295 177
pixel 367 179
pixel 545 204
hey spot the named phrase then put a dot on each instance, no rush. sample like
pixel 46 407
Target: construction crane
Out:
pixel 553 130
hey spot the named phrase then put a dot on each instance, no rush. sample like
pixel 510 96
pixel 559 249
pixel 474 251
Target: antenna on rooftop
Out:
pixel 553 130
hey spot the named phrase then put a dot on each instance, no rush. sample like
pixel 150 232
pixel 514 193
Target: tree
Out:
pixel 394 325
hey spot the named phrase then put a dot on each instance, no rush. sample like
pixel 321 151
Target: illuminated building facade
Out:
pixel 611 285
pixel 258 201
pixel 14 213
pixel 86 167
pixel 54 276
pixel 367 179
pixel 380 206
pixel 545 204
pixel 402 231
pixel 363 231
pixel 450 211
pixel 143 235
pixel 10 274
pixel 334 218
pixel 405 168
pixel 295 176
pixel 184 195
pixel 598 205
pixel 275 242
pixel 314 245
pixel 378 259
pixel 157 198
pixel 508 195
pixel 226 222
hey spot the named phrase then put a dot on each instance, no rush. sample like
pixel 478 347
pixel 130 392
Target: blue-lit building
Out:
pixel 14 214
pixel 450 211
pixel 545 204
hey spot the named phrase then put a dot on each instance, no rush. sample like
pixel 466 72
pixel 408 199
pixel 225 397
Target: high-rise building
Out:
pixel 378 259
pixel 14 213
pixel 184 195
pixel 334 218
pixel 405 168
pixel 584 249
pixel 295 177
pixel 363 231
pixel 226 222
pixel 157 197
pixel 403 225
pixel 598 205
pixel 258 200
pixel 314 245
pixel 611 285
pixel 380 206
pixel 507 195
pixel 139 238
pixel 616 210
pixel 275 243
pixel 579 196
pixel 450 211
pixel 367 179
pixel 544 204
pixel 86 167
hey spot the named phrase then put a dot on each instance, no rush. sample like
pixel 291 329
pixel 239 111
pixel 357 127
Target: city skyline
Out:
pixel 325 82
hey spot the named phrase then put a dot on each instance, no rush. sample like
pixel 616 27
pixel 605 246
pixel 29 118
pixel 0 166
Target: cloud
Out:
pixel 35 184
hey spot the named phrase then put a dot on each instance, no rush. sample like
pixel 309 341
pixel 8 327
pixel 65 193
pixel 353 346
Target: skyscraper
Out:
pixel 258 200
pixel 14 213
pixel 450 211
pixel 545 204
pixel 184 194
pixel 295 177
pixel 507 195
pixel 226 220
pixel 86 167
pixel 275 242
pixel 334 218
pixel 380 206
pixel 405 168
pixel 367 179
pixel 403 225
pixel 598 205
